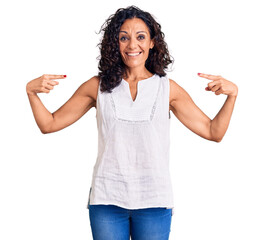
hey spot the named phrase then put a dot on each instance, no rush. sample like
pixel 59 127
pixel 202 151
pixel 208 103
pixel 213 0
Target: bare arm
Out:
pixel 193 118
pixel 80 102
pixel 188 113
pixel 221 121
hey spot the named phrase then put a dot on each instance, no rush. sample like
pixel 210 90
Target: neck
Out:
pixel 137 74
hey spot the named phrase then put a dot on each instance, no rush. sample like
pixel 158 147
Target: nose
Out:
pixel 132 43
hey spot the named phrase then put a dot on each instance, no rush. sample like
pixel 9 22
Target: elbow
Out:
pixel 215 136
pixel 47 128
pixel 218 140
pixel 44 131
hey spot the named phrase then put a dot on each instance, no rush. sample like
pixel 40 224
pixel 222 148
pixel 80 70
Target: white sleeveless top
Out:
pixel 132 166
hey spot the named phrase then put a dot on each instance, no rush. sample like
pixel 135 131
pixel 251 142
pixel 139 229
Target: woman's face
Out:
pixel 134 42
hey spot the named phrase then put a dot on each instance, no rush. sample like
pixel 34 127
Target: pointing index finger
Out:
pixel 53 76
pixel 208 76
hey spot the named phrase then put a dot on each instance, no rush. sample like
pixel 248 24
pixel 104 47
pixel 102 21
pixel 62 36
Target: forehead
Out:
pixel 134 24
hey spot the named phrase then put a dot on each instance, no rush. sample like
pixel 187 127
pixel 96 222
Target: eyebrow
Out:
pixel 136 32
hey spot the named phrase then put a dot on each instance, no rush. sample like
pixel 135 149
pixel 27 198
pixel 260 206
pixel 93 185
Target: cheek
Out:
pixel 121 48
pixel 121 51
pixel 145 46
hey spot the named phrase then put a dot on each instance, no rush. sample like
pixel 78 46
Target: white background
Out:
pixel 45 179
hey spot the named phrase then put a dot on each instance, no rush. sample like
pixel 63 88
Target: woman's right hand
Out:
pixel 43 84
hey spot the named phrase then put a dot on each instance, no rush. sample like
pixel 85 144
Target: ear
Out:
pixel 151 44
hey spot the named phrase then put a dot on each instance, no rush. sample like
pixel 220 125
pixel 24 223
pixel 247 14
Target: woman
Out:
pixel 131 192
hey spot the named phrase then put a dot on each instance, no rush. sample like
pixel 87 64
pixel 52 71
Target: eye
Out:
pixel 141 37
pixel 123 38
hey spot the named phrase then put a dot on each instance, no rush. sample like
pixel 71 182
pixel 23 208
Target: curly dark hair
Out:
pixel 111 66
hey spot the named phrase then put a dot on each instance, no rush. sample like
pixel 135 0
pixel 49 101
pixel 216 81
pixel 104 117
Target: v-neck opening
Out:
pixel 137 85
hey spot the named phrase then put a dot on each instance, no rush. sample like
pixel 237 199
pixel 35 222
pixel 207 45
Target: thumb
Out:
pixel 207 89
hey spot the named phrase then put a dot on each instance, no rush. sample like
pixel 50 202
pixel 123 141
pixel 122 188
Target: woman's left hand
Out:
pixel 220 85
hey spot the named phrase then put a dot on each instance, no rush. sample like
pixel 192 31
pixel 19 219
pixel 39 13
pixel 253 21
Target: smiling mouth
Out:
pixel 133 54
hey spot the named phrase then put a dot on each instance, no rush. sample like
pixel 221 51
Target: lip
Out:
pixel 127 53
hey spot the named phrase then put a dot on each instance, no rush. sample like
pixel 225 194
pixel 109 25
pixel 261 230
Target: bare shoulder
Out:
pixel 176 92
pixel 90 88
pixel 175 89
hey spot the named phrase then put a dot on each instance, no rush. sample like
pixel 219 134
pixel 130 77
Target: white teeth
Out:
pixel 133 54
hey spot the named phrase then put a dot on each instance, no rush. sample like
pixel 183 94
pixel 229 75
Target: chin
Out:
pixel 133 64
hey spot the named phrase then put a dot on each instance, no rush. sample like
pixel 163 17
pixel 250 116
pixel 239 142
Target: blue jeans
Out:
pixel 110 222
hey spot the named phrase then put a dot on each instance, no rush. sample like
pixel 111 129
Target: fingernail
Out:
pixel 65 75
pixel 199 73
